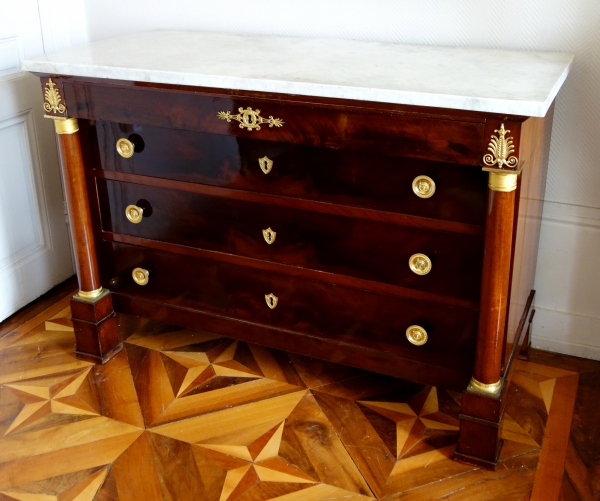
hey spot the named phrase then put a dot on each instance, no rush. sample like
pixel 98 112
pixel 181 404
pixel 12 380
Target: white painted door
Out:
pixel 35 251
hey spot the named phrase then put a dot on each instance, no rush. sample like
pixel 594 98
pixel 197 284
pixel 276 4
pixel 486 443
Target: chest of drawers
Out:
pixel 367 231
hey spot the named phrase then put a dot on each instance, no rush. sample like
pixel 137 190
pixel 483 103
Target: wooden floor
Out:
pixel 186 415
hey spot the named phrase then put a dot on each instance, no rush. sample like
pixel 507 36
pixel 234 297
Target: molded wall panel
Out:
pixel 20 224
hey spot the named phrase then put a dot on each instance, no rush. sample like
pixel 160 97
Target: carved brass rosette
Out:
pixel 271 300
pixel 52 98
pixel 250 119
pixel 501 148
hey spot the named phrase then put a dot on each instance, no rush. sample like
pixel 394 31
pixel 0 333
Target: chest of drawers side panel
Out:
pixel 534 153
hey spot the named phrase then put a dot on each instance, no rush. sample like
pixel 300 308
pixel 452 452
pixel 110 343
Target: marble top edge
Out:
pixel 486 80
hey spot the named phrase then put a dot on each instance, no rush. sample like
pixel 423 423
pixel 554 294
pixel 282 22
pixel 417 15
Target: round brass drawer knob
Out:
pixel 125 148
pixel 134 213
pixel 419 264
pixel 140 276
pixel 416 335
pixel 271 300
pixel 423 186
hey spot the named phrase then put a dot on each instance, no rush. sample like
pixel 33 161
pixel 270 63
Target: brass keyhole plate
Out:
pixel 271 300
pixel 250 119
pixel 266 164
pixel 269 235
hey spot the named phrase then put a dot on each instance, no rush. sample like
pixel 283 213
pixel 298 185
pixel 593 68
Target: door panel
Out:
pixel 20 225
pixel 10 55
pixel 35 251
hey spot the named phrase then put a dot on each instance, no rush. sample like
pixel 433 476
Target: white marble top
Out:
pixel 501 81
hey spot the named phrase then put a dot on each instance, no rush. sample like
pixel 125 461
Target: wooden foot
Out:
pixel 479 440
pixel 96 330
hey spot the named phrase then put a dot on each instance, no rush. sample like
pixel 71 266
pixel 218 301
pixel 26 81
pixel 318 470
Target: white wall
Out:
pixel 568 275
pixel 63 23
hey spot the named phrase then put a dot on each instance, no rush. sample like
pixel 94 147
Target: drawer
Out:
pixel 327 175
pixel 360 248
pixel 312 308
pixel 370 127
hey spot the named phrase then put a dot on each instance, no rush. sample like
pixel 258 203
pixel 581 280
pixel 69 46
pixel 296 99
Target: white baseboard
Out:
pixel 571 215
pixel 566 332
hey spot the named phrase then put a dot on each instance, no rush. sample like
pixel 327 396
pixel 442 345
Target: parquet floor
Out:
pixel 186 415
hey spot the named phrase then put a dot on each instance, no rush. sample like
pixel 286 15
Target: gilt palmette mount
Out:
pixel 52 99
pixel 501 148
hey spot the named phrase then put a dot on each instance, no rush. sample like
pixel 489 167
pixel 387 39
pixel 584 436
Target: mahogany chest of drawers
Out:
pixel 360 232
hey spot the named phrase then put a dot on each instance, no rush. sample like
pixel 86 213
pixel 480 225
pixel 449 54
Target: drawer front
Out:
pixel 348 246
pixel 322 174
pixel 312 308
pixel 356 126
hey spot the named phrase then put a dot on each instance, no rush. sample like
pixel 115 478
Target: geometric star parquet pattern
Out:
pixel 187 415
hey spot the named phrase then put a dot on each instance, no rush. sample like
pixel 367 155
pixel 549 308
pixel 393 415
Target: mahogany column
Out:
pixel 483 402
pixel 495 280
pixel 92 311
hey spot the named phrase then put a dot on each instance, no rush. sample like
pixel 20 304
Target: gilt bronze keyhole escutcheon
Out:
pixel 266 164
pixel 271 300
pixel 269 235
pixel 250 119
pixel 125 148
